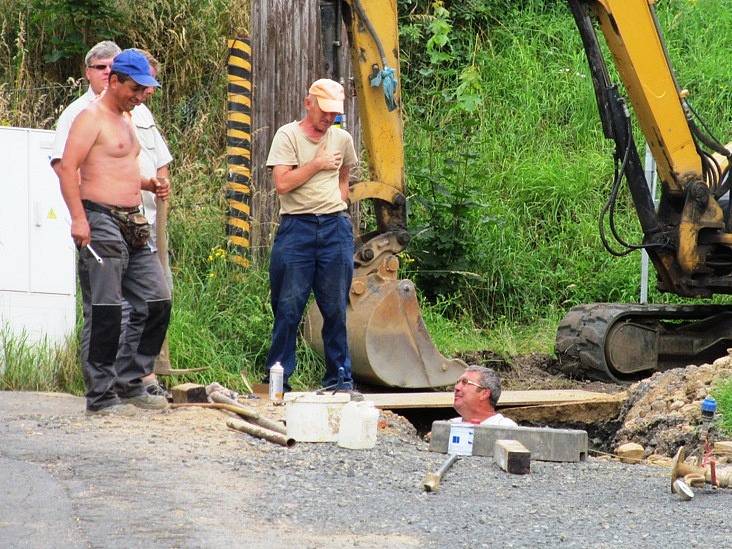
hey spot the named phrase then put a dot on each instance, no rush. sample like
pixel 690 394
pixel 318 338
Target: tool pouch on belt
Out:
pixel 134 227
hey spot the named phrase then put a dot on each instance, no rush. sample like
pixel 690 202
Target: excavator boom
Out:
pixel 688 236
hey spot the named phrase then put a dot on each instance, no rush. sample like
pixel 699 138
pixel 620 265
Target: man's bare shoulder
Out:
pixel 87 117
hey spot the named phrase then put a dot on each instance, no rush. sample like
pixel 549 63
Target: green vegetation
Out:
pixel 723 394
pixel 39 367
pixel 508 167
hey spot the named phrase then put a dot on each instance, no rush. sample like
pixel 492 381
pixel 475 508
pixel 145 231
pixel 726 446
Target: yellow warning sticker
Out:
pixel 51 214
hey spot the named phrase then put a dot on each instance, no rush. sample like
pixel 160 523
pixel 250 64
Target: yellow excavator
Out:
pixel 688 236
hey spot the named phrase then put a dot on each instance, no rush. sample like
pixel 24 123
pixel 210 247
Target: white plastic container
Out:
pixel 461 439
pixel 358 426
pixel 314 418
pixel 276 383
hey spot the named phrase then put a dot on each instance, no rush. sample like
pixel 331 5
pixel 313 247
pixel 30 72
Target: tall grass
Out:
pixel 38 366
pixel 723 394
pixel 537 158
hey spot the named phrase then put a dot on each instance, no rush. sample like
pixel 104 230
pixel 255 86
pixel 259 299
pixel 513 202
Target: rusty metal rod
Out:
pixel 251 414
pixel 431 482
pixel 248 413
pixel 257 431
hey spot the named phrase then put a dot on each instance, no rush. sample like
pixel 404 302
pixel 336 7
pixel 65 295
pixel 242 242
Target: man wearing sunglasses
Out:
pixel 476 395
pixel 98 65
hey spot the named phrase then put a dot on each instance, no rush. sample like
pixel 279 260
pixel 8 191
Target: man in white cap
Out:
pixel 313 250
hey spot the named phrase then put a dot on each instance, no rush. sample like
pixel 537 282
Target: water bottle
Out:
pixel 358 425
pixel 276 383
pixel 708 409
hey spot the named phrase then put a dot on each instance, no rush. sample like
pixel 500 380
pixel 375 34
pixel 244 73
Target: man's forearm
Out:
pixel 147 184
pixel 296 177
pixel 343 179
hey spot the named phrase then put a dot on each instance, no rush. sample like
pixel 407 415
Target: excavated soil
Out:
pixel 534 371
pixel 664 411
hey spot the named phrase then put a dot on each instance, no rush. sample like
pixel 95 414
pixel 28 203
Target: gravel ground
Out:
pixel 182 479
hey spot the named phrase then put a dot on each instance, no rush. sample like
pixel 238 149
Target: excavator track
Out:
pixel 624 342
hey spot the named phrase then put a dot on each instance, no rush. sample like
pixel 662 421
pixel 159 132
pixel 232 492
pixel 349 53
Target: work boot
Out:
pixel 147 402
pixel 125 410
pixel 156 389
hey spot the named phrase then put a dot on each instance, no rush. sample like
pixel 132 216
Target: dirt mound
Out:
pixel 534 371
pixel 663 412
pixel 486 358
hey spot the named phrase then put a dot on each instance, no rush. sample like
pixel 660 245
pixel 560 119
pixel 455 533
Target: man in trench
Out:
pixel 475 398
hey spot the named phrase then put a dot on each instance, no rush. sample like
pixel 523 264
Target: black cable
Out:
pixel 717 173
pixel 371 30
pixel 708 139
pixel 603 238
pixel 609 207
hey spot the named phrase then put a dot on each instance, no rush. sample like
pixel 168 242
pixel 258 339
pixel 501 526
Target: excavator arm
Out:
pixel 689 218
pixel 687 236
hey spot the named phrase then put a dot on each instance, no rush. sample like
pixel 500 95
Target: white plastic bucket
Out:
pixel 314 418
pixel 461 439
pixel 358 426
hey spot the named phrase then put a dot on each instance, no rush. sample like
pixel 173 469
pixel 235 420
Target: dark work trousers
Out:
pixel 129 337
pixel 312 253
pixel 137 276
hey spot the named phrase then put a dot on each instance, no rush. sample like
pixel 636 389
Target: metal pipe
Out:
pixel 248 413
pixel 431 482
pixel 259 432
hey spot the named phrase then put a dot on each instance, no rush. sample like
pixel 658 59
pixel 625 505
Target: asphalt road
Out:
pixel 182 479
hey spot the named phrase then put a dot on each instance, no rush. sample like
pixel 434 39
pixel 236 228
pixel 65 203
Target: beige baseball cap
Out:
pixel 329 93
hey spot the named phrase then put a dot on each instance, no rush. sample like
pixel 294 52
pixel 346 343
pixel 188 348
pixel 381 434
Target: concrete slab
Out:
pixel 545 444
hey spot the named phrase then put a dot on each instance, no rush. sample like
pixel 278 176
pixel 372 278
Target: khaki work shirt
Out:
pixel 320 194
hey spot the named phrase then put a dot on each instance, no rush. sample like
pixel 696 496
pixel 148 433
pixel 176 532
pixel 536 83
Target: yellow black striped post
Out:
pixel 239 149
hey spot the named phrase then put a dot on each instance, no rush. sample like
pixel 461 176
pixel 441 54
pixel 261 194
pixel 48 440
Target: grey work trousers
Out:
pixel 136 276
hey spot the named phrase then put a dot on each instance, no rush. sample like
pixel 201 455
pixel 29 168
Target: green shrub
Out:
pixel 723 394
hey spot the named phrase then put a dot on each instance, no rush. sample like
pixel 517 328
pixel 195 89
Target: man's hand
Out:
pixel 328 160
pixel 80 232
pixel 160 186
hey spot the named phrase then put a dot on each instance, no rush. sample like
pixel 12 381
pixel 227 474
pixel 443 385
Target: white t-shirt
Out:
pixel 154 153
pixel 496 420
pixel 67 118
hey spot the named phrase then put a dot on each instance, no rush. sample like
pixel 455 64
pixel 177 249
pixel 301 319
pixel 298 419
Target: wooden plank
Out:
pixel 393 401
pixel 512 457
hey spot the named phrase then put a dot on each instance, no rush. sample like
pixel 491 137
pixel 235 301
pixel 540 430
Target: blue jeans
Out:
pixel 312 253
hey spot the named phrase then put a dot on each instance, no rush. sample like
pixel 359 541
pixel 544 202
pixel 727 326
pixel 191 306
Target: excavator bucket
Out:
pixel 387 337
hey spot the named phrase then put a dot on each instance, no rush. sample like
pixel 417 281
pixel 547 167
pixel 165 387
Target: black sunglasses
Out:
pixel 99 67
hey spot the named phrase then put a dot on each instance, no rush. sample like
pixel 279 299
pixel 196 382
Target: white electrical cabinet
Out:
pixel 37 255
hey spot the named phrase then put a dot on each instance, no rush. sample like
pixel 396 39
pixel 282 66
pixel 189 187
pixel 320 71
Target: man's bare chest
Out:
pixel 116 139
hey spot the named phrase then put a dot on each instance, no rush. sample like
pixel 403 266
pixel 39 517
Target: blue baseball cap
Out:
pixel 134 64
